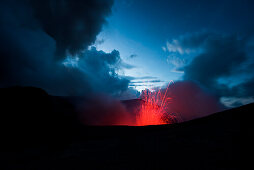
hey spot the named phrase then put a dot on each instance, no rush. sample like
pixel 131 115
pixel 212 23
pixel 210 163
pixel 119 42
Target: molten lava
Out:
pixel 154 109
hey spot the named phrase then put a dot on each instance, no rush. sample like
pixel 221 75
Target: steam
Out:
pixel 190 101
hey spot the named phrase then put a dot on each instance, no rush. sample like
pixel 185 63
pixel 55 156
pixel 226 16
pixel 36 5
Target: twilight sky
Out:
pixel 160 40
pixel 99 46
pixel 144 30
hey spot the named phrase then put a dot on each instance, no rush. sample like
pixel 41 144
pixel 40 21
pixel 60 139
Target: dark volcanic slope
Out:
pixel 42 132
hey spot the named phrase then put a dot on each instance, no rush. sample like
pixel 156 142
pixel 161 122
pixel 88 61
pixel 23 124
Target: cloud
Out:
pixel 102 69
pixel 174 46
pixel 73 25
pixel 214 57
pixel 147 81
pixel 181 50
pixel 220 57
pixel 99 42
pixel 176 61
pixel 236 101
pixel 164 49
pixel 133 56
pixel 137 85
pixel 140 78
pixel 188 43
pixel 44 44
pixel 126 65
pixel 128 94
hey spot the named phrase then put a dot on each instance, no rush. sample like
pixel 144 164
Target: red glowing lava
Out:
pixel 154 110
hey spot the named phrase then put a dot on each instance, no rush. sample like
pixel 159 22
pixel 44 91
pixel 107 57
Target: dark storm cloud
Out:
pixel 32 31
pixel 244 89
pixel 221 57
pixel 102 68
pixel 73 24
pixel 218 57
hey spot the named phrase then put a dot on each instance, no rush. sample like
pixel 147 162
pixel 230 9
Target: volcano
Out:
pixel 39 131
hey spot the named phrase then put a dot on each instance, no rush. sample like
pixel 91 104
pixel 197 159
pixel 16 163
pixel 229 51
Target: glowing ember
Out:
pixel 153 110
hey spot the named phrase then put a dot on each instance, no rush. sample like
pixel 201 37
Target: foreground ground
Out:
pixel 38 132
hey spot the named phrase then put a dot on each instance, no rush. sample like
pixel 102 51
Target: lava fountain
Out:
pixel 153 110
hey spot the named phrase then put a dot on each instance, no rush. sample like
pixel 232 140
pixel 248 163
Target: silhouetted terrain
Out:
pixel 39 131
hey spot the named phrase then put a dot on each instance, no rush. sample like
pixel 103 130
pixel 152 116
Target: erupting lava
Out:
pixel 153 110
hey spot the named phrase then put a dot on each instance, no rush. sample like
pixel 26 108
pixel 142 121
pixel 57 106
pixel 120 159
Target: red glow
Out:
pixel 153 110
